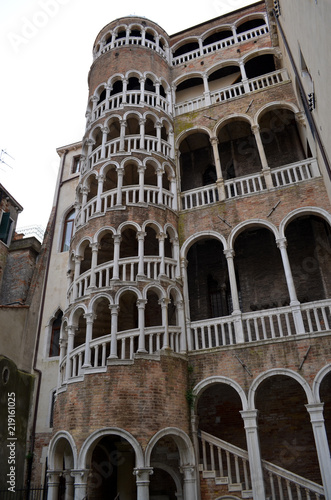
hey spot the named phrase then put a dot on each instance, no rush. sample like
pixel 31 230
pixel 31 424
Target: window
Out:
pixel 51 413
pixel 6 226
pixel 75 167
pixel 67 231
pixel 54 346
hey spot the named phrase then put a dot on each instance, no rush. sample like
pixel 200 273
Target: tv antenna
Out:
pixel 3 154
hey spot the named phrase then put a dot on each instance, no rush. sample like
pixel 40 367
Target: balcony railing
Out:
pixel 221 44
pixel 127 271
pixel 127 345
pixel 233 91
pixel 251 184
pixel 265 325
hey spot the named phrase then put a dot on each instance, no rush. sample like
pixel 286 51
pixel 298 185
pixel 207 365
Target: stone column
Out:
pixel 173 189
pixel 265 168
pixel 80 476
pixel 165 323
pixel 141 238
pixel 104 131
pixel 141 324
pixel 143 36
pixel 229 254
pixel 94 261
pixel 120 174
pixel 69 493
pixel 159 173
pixel 161 237
pixel 158 127
pixel 315 411
pixel 254 454
pixel 172 143
pixel 78 260
pixel 206 92
pixel 244 76
pixel 124 89
pixel 219 174
pixel 117 241
pixel 142 89
pixel 142 480
pixel 53 480
pixel 183 265
pixel 295 304
pixel 157 88
pixel 100 178
pixel 142 122
pixel 181 322
pixel 234 33
pixel 63 346
pixel 189 486
pixel 141 172
pixel 70 346
pixel 114 309
pixel 89 328
pixel 122 134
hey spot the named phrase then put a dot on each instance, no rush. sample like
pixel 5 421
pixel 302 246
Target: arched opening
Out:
pixel 151 243
pixel 111 470
pixel 286 436
pixel 208 281
pixel 131 175
pixel 64 461
pixel 97 137
pixel 224 77
pixel 250 25
pixel 133 83
pixel 150 129
pixel 54 341
pixel 259 266
pixel 166 482
pixel 150 177
pixel 189 89
pixel 149 85
pixel 238 151
pixel 153 312
pixel 114 129
pixel 132 126
pixel 260 65
pixel 280 138
pixel 117 88
pixel 218 409
pixel 80 330
pixel 186 48
pixel 128 313
pixel 196 155
pixel 102 320
pixel 102 96
pixel 92 187
pixel 106 249
pixel 85 264
pixel 217 36
pixel 309 251
pixel 129 243
pixel 110 180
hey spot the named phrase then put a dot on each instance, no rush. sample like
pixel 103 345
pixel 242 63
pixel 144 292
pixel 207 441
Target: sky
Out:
pixel 46 53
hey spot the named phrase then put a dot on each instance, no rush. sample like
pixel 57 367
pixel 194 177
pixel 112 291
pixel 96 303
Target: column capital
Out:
pixel 141 235
pixel 229 253
pixel 315 411
pixel 117 238
pixel 141 303
pixel 105 130
pixel 114 308
pixel 255 129
pixel 143 471
pixel 90 317
pixel 281 242
pixel 214 140
pixel 164 302
pixel 80 475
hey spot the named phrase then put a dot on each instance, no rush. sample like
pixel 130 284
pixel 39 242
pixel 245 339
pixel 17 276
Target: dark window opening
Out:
pixel 67 231
pixel 250 25
pixel 54 347
pixel 187 47
pixel 216 37
pixel 260 65
pixel 5 227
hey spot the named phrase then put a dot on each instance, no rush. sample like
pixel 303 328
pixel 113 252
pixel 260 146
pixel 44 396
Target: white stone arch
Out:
pixel 294 214
pixel 276 372
pixel 133 73
pixel 169 170
pixel 82 244
pixel 93 302
pixel 94 130
pixel 125 289
pixel 154 287
pixel 102 231
pixel 152 76
pixel 99 89
pixel 192 131
pixel 114 78
pixel 242 226
pixel 218 379
pixel 87 448
pixel 188 76
pixel 258 52
pixel 174 474
pixel 184 41
pixel 222 64
pixel 73 316
pixel 182 440
pixel 126 225
pixel 201 236
pixel 152 161
pixel 274 105
pixel 87 178
pixel 131 159
pixel 108 166
pixel 231 118
pixel 216 29
pixel 170 228
pixel 152 116
pixel 55 442
pixel 318 380
pixel 112 118
pixel 248 17
pixel 154 224
pixel 177 293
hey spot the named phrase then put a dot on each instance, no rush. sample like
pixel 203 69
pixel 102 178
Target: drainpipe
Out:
pixel 35 369
pixel 310 118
